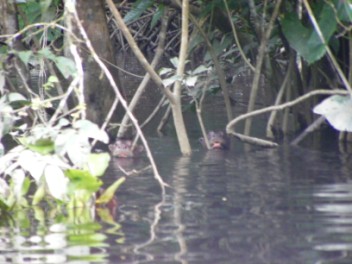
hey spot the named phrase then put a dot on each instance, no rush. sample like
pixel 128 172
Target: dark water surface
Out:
pixel 286 205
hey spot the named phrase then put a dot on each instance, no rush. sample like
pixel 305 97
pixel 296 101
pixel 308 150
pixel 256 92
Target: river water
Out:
pixel 288 205
pixel 285 205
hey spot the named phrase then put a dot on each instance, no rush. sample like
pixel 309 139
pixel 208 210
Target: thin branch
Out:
pixel 141 88
pixel 328 50
pixel 278 99
pixel 230 126
pixel 135 49
pixel 120 97
pixel 234 32
pixel 259 63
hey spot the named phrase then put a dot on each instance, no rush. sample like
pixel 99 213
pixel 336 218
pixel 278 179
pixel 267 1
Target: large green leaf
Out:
pixel 304 39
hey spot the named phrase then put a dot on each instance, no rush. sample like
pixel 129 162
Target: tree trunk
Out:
pixel 98 94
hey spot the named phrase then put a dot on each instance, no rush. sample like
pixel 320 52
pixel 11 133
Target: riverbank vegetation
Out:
pixel 60 87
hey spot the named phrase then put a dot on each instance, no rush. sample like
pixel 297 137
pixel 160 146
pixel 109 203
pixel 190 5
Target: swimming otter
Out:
pixel 217 140
pixel 122 148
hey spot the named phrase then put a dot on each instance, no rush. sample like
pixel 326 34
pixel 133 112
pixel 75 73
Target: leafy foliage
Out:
pixel 304 39
pixel 56 158
pixel 138 8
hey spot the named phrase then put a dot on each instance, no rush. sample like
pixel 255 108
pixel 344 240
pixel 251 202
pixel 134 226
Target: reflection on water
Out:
pixel 37 236
pixel 287 205
pixel 261 206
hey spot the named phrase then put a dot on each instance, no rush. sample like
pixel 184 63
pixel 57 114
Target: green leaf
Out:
pixel 169 81
pixel 38 195
pixel 17 177
pixel 7 119
pixel 200 69
pixel 157 15
pixel 138 8
pixel 164 71
pixel 46 53
pixel 82 180
pixel 64 139
pixel 57 182
pixel 344 10
pixel 30 162
pixel 66 66
pixel 337 109
pixel 42 146
pixel 25 56
pixel 304 39
pixel 90 130
pixel 98 163
pixel 2 80
pixel 87 238
pixel 174 61
pixel 191 80
pixel 14 97
pixel 4 188
pixel 109 192
pixel 44 5
pixel 78 150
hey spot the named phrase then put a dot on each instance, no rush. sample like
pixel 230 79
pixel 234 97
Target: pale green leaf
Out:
pixel 90 130
pixel 25 56
pixel 98 163
pixel 56 181
pixel 78 150
pixel 4 188
pixel 191 80
pixel 2 81
pixel 18 177
pixel 30 162
pixel 337 109
pixel 169 81
pixel 200 69
pixel 164 71
pixel 66 66
pixel 38 195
